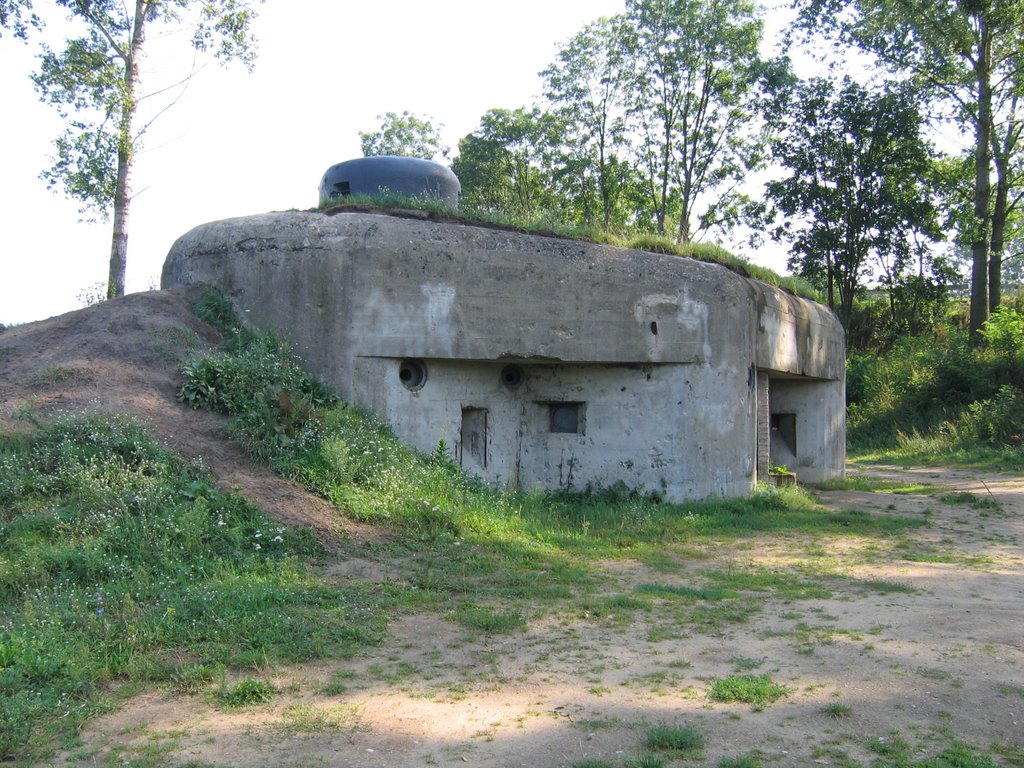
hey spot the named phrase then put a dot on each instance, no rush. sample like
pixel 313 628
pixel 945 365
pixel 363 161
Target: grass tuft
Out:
pixel 246 693
pixel 679 739
pixel 759 690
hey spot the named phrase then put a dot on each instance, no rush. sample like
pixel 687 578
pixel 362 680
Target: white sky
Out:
pixel 239 144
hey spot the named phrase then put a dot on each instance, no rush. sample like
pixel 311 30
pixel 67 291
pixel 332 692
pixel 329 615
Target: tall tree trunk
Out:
pixel 1002 151
pixel 125 155
pixel 119 238
pixel 995 256
pixel 982 180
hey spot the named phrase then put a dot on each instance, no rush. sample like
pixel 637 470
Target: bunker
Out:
pixel 543 361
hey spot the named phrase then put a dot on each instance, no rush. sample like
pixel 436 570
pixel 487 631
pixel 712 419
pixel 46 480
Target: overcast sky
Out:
pixel 239 143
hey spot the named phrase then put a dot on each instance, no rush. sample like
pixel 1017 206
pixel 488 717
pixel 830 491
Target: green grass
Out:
pixel 121 561
pixel 759 690
pixel 837 710
pixel 246 693
pixel 50 377
pixel 784 585
pixel 119 558
pixel 893 751
pixel 679 740
pixel 489 620
pixel 550 224
pixel 886 586
pixel 971 500
pixel 318 718
pixel 877 485
pixel 752 760
pixel 682 592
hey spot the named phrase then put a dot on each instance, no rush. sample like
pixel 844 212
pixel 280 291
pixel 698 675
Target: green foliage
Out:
pixel 93 83
pixel 1004 333
pixel 118 557
pixel 17 16
pixel 587 91
pixel 964 58
pixel 216 309
pixel 691 72
pixel 272 400
pixel 853 195
pixel 941 395
pixel 405 135
pixel 759 690
pixel 501 166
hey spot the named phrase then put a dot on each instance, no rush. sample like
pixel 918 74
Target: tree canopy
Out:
pixel 854 197
pixel 405 135
pixel 967 57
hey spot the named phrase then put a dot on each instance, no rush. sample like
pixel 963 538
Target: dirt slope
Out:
pixel 123 356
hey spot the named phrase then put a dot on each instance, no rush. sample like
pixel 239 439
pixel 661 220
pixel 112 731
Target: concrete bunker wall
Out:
pixel 660 360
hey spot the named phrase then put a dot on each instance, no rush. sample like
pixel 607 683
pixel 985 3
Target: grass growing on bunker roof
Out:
pixel 548 223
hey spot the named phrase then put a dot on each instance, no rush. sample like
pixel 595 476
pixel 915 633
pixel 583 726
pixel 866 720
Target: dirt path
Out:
pixel 921 633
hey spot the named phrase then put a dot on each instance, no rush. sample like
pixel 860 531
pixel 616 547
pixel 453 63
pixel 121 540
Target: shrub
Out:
pixel 1004 332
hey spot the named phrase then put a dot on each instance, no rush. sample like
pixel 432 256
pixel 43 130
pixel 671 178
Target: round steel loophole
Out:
pixel 512 376
pixel 412 373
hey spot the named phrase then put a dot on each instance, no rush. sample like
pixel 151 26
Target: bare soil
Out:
pixel 944 661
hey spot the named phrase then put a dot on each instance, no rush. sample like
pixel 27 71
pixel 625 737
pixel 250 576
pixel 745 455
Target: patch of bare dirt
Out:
pixel 921 634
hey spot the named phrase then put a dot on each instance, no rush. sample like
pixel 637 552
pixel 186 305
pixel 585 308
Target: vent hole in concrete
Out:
pixel 654 327
pixel 512 376
pixel 413 374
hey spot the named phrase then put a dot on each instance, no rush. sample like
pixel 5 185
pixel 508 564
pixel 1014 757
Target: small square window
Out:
pixel 565 418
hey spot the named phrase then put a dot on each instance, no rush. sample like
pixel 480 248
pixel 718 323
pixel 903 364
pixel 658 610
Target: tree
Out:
pixel 406 135
pixel 586 88
pixel 17 16
pixel 505 165
pixel 94 84
pixel 968 57
pixel 854 195
pixel 693 68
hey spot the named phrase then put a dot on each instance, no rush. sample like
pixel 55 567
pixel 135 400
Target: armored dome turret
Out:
pixel 405 176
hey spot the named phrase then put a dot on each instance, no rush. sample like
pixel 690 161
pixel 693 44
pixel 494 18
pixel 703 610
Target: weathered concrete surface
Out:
pixel 659 356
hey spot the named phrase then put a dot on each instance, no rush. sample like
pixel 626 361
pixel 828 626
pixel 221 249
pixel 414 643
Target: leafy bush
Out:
pixel 938 393
pixel 271 399
pixel 997 421
pixel 1004 332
